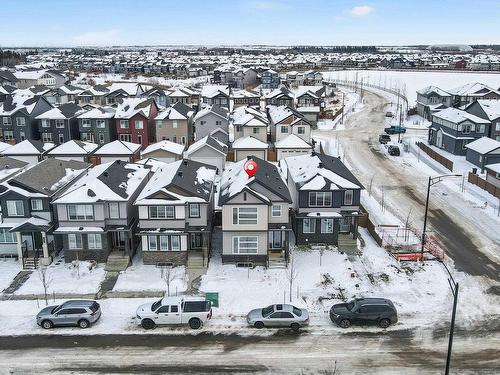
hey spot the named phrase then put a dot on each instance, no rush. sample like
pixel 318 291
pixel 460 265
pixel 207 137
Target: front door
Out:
pixel 196 240
pixel 28 240
pixel 276 239
pixel 345 224
pixel 119 240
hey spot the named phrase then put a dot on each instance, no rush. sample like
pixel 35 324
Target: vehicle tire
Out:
pixel 384 323
pixel 47 324
pixel 259 325
pixel 345 323
pixel 148 324
pixel 83 323
pixel 194 323
pixel 295 327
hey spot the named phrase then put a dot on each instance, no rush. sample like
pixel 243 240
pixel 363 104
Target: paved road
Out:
pixel 393 352
pixel 405 188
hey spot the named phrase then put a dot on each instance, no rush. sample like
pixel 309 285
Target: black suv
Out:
pixel 384 138
pixel 362 311
pixel 394 151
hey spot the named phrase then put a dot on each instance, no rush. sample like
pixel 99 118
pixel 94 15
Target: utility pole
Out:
pixel 343 108
pixel 454 291
pixel 400 122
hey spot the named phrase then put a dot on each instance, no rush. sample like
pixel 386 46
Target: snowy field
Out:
pixel 9 268
pixel 411 81
pixel 140 277
pixel 65 278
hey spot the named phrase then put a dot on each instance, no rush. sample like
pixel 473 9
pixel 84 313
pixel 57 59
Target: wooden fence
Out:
pixel 483 184
pixel 447 163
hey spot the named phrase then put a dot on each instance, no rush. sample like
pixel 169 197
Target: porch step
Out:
pixel 196 261
pixel 277 262
pixel 348 245
pixel 117 262
pixel 30 264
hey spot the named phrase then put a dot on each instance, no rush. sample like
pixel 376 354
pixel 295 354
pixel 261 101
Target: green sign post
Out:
pixel 213 297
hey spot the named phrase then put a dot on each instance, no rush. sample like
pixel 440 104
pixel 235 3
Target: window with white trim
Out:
pixel 163 243
pixel 6 236
pixel 194 210
pixel 77 212
pixel 60 124
pixel 161 212
pixel 75 241
pixel 95 241
pixel 175 243
pixel 20 121
pixel 276 210
pixel 348 197
pixel 8 135
pixel 36 205
pixel 100 124
pixel 86 123
pixel 301 130
pixel 123 124
pixel 308 225
pixel 114 210
pixel 245 215
pixel 7 121
pixel 125 137
pixel 245 244
pixel 45 123
pixel 326 225
pixel 15 208
pixel 46 137
pixel 320 199
pixel 284 129
pixel 152 243
pixel 139 124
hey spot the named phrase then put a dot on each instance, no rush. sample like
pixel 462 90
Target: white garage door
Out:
pixel 108 159
pixel 217 162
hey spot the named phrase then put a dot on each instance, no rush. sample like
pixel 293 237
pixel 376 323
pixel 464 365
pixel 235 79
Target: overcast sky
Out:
pixel 278 22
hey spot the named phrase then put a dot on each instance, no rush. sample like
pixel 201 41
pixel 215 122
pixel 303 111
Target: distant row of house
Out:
pixel 166 211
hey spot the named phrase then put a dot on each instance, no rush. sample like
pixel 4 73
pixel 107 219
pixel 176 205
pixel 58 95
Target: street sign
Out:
pixel 213 297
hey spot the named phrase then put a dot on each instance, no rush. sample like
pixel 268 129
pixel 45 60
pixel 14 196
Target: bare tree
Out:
pixel 291 272
pixel 46 279
pixel 370 185
pixel 169 275
pixel 407 224
pixel 382 203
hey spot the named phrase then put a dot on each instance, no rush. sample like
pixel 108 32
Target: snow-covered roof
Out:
pixel 493 167
pixel 292 141
pixel 470 89
pixel 115 181
pixel 319 172
pixel 483 145
pixel 209 91
pixel 131 106
pixel 73 147
pixel 16 102
pixel 98 113
pixel 209 142
pixel 172 114
pixel 215 109
pixel 119 148
pixel 457 116
pixel 249 143
pixel 490 106
pixel 172 147
pixel 279 113
pixel 4 146
pixel 430 89
pixel 248 116
pixel 28 147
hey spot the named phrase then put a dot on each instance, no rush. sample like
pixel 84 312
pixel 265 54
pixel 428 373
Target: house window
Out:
pixel 6 236
pixel 218 123
pixel 175 243
pixel 60 124
pixel 15 208
pixel 114 210
pixel 320 199
pixel 80 212
pixel 20 121
pixel 36 205
pixel 194 210
pixel 202 122
pixel 301 130
pixel 139 124
pixel 125 137
pixel 183 140
pixel 497 126
pixel 75 241
pixel 348 196
pixel 163 243
pixel 45 123
pixel 326 225
pixel 7 121
pixel 245 215
pixel 46 137
pixel 95 241
pixel 123 124
pixel 152 243
pixel 174 124
pixel 481 128
pixel 161 212
pixel 86 123
pixel 256 130
pixel 309 225
pixel 245 244
pixel 284 129
pixel 8 135
pixel 100 124
pixel 101 138
pixel 276 210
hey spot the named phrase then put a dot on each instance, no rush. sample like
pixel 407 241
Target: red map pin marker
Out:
pixel 251 167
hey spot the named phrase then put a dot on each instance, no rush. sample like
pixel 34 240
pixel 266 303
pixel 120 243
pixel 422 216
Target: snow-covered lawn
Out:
pixel 140 277
pixel 65 278
pixel 9 268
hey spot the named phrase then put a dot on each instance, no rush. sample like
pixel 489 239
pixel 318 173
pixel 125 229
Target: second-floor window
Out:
pixel 80 212
pixel 284 129
pixel 194 210
pixel 45 123
pixel 100 124
pixel 161 212
pixel 47 137
pixel 301 130
pixel 7 121
pixel 245 215
pixel 320 199
pixel 114 210
pixel 8 135
pixel 15 208
pixel 86 123
pixel 256 130
pixel 125 137
pixel 20 121
pixel 276 210
pixel 36 205
pixel 123 124
pixel 60 124
pixel 348 197
pixel 139 124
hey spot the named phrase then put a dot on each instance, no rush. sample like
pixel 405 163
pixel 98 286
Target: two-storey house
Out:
pixel 488 109
pixel 134 118
pixel 218 95
pixel 270 79
pixel 470 92
pixel 255 215
pixel 326 199
pixel 280 97
pixel 210 119
pixel 96 215
pixel 244 98
pixel 28 220
pixel 59 124
pixel 97 125
pixel 285 121
pixel 175 214
pixel 452 129
pixel 175 124
pixel 432 99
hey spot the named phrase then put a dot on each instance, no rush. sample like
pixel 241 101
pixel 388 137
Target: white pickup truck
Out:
pixel 194 311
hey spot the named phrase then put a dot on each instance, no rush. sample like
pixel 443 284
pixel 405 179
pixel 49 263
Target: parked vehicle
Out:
pixel 194 311
pixel 394 151
pixel 389 114
pixel 280 315
pixel 362 311
pixel 395 129
pixel 384 138
pixel 80 313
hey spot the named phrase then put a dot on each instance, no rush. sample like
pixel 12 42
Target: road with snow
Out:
pixel 280 352
pixel 472 239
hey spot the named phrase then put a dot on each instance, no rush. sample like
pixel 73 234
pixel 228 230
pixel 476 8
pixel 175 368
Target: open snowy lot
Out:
pixel 411 81
pixel 9 268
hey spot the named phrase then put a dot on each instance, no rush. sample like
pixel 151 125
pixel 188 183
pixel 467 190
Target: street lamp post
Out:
pixel 454 291
pixel 432 181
